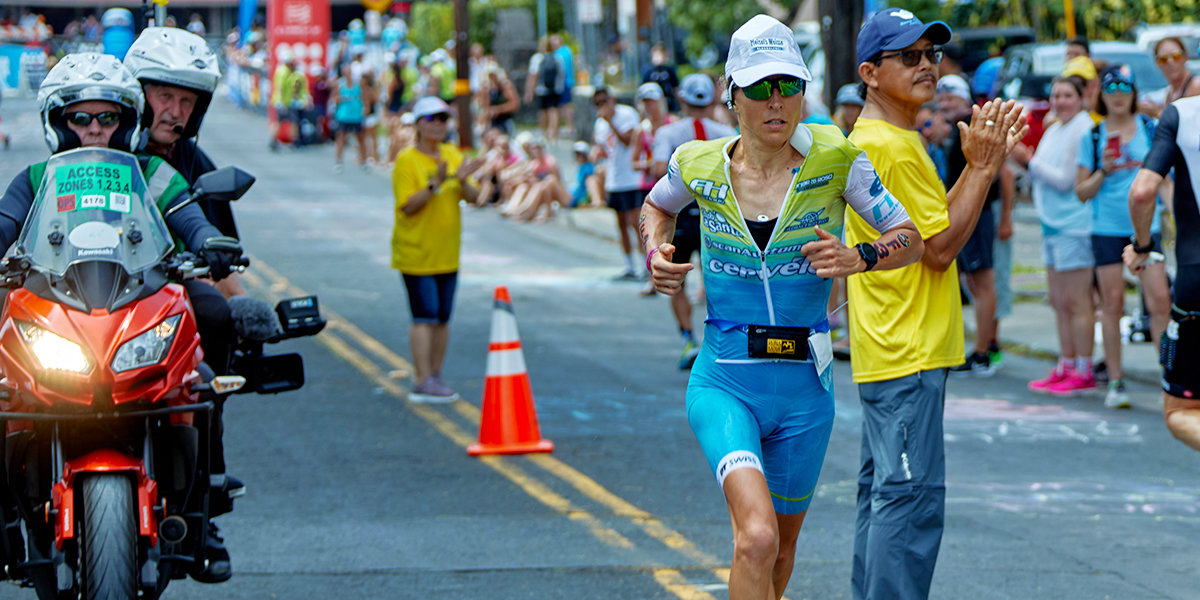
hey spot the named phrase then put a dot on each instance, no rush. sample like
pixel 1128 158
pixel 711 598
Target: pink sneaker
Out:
pixel 1055 376
pixel 1074 383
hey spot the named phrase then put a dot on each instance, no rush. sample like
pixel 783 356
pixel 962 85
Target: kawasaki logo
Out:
pixel 716 223
pixel 710 190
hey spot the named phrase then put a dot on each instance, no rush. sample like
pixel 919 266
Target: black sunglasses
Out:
pixel 912 58
pixel 443 117
pixel 82 119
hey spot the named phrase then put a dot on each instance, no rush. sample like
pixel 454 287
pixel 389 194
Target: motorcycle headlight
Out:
pixel 53 351
pixel 148 348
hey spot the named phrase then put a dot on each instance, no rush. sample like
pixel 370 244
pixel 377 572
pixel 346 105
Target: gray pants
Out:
pixel 901 487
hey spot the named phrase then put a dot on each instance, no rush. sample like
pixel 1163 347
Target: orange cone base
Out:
pixel 477 449
pixel 509 424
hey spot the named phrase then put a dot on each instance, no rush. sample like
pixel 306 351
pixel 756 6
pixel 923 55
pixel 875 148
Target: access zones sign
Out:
pixel 82 186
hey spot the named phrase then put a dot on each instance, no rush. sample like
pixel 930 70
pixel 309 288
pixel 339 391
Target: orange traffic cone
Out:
pixel 509 424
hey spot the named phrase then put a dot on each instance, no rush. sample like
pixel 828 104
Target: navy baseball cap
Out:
pixel 896 29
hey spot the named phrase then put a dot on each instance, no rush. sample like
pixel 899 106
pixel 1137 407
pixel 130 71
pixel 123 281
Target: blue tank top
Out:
pixel 349 107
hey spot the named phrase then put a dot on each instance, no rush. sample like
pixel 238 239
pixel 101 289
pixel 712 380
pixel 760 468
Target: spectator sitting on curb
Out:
pixel 588 191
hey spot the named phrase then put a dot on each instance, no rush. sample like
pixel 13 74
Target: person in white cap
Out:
pixel 428 181
pixel 615 134
pixel 771 201
pixel 906 326
pixel 696 91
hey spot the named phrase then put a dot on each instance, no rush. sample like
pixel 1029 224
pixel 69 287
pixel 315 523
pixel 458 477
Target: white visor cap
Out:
pixel 763 47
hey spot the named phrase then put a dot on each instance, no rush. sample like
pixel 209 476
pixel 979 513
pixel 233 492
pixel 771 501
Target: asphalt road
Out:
pixel 355 493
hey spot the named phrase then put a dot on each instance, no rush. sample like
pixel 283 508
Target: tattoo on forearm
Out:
pixel 903 239
pixel 642 230
pixel 882 251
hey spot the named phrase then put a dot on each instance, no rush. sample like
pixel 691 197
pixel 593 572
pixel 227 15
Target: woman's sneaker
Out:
pixel 432 390
pixel 1117 397
pixel 1055 376
pixel 1074 383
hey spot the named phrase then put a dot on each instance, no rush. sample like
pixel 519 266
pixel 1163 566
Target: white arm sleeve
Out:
pixel 867 196
pixel 670 193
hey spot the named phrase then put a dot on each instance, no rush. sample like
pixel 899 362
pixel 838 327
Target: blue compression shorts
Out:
pixel 775 417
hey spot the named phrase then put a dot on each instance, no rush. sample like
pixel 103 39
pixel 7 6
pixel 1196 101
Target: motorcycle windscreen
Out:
pixel 93 206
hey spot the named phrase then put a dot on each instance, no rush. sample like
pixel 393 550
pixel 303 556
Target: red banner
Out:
pixel 301 28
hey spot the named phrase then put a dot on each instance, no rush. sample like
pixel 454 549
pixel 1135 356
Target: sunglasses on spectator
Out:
pixel 82 119
pixel 761 89
pixel 1172 57
pixel 1118 87
pixel 443 117
pixel 912 58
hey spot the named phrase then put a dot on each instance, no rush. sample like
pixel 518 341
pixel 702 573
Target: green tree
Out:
pixel 707 21
pixel 430 25
pixel 483 17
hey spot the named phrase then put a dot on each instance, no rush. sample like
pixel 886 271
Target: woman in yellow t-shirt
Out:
pixel 428 181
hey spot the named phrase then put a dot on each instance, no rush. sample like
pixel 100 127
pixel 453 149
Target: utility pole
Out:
pixel 840 22
pixel 462 82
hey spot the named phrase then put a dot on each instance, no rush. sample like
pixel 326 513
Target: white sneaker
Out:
pixel 1117 397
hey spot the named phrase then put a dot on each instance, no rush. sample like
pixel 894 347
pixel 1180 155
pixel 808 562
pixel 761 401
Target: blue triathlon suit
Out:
pixel 769 414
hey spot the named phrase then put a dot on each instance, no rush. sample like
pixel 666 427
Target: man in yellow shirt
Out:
pixel 906 324
pixel 289 95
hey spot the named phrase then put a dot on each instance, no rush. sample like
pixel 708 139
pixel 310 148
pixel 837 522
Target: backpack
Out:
pixel 548 72
pixel 1147 123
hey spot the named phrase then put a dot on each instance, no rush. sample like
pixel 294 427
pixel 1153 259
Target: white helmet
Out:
pixel 176 57
pixel 90 76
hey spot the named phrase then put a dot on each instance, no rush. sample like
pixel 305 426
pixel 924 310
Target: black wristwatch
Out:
pixel 869 255
pixel 1147 249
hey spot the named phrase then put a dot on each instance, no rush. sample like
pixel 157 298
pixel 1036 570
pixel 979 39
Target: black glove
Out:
pixel 254 319
pixel 222 254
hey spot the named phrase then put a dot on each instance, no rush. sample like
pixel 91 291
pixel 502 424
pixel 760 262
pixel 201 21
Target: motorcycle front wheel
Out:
pixel 108 542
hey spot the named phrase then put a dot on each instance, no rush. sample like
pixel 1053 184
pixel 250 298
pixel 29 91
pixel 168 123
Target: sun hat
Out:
pixel 956 86
pixel 696 89
pixel 581 147
pixel 896 29
pixel 1080 66
pixel 649 91
pixel 763 47
pixel 429 105
pixel 848 94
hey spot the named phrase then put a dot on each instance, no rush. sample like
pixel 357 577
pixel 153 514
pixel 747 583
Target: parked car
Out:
pixel 978 43
pixel 1029 70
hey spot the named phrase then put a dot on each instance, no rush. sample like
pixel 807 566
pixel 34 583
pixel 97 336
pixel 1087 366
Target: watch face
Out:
pixel 869 253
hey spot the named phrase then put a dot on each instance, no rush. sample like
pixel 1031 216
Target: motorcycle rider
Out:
pixel 178 72
pixel 92 100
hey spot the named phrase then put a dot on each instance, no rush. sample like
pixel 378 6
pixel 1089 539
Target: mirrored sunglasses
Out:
pixel 1118 87
pixel 82 119
pixel 761 89
pixel 1169 57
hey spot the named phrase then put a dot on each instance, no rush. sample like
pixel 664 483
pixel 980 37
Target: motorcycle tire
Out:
pixel 108 551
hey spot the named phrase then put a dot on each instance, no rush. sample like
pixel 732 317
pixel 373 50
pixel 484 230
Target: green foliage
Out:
pixel 430 25
pixel 483 18
pixel 710 20
pixel 1097 19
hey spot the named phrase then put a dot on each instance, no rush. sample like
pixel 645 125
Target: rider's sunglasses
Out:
pixel 761 89
pixel 1169 57
pixel 82 119
pixel 1117 87
pixel 443 117
pixel 912 58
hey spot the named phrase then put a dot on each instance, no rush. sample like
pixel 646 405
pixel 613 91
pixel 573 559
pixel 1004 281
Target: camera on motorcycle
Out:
pixel 300 317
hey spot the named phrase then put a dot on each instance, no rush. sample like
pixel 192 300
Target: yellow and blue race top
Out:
pixel 776 286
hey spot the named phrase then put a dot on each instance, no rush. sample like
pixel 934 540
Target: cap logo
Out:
pixel 767 44
pixel 903 14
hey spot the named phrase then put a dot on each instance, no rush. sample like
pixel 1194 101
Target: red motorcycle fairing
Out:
pixel 100 333
pixel 103 461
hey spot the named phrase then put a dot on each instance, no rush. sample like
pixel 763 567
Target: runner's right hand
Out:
pixel 667 276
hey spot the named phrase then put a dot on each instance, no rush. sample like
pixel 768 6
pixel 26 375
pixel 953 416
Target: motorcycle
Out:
pixel 106 404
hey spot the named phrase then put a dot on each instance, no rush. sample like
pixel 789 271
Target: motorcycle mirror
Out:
pixel 226 183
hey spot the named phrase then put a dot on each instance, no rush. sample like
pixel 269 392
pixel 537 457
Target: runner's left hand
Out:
pixel 830 257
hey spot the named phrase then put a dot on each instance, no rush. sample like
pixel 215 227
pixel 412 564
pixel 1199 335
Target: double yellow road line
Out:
pixel 366 354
